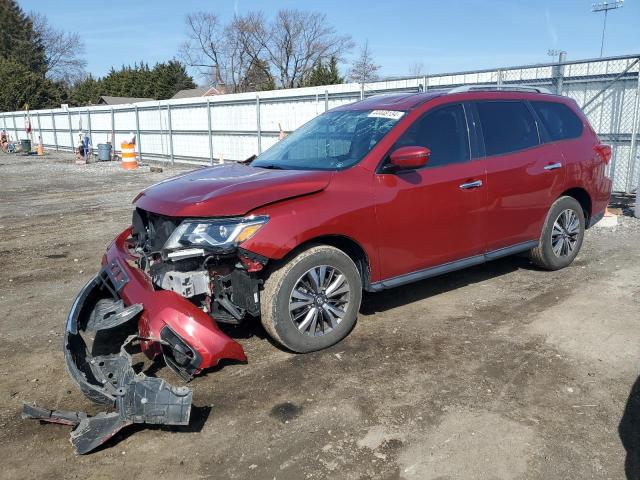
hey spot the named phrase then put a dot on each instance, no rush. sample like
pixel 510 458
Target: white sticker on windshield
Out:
pixel 391 114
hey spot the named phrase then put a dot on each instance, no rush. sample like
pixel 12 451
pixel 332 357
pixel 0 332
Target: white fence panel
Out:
pixel 234 127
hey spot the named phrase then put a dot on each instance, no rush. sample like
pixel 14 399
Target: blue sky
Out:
pixel 444 36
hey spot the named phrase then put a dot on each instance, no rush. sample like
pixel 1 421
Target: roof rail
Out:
pixel 509 88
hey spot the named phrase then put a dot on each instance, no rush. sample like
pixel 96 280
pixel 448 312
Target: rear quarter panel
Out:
pixel 585 169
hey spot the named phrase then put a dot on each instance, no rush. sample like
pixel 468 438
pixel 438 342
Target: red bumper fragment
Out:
pixel 168 309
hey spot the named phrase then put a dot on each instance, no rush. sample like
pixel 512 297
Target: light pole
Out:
pixel 605 7
pixel 558 70
pixel 561 54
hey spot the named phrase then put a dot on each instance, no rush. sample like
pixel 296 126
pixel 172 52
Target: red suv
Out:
pixel 371 195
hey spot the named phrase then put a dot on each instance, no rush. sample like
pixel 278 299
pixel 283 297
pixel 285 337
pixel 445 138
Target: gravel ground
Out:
pixel 501 371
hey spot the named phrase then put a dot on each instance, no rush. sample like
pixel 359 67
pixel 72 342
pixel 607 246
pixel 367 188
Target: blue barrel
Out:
pixel 104 152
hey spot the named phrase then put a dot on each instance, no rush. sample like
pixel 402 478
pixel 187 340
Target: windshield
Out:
pixel 332 141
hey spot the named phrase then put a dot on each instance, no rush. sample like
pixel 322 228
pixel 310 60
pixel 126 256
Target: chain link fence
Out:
pixel 234 127
pixel 608 91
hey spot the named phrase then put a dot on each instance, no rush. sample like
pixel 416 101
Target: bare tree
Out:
pixel 250 31
pixel 223 54
pixel 244 52
pixel 299 40
pixel 289 46
pixel 364 69
pixel 64 51
pixel 205 45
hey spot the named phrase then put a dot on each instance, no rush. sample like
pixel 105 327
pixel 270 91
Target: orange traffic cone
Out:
pixel 40 148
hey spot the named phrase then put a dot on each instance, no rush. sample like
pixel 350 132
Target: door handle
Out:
pixel 553 166
pixel 468 185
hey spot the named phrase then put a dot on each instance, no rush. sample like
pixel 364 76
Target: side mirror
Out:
pixel 405 158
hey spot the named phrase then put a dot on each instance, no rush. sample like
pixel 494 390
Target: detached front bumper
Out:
pixel 110 379
pixel 167 318
pixel 168 325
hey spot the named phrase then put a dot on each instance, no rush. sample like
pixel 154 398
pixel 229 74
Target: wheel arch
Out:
pixel 583 198
pixel 346 244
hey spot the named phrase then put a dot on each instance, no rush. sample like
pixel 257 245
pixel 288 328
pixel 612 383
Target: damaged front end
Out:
pixel 200 259
pixel 176 296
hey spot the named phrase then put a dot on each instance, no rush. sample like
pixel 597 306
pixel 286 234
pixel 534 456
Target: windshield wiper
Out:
pixel 248 161
pixel 271 166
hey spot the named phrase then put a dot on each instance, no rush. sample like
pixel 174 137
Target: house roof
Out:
pixel 191 92
pixel 199 92
pixel 108 100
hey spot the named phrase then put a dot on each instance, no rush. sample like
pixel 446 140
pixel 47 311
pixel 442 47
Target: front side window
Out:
pixel 444 132
pixel 561 123
pixel 507 126
pixel 332 141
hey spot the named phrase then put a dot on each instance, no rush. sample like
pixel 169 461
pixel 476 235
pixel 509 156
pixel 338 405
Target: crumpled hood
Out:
pixel 227 190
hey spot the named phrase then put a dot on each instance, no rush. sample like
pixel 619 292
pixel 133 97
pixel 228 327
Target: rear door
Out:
pixel 436 214
pixel 524 174
pixel 563 127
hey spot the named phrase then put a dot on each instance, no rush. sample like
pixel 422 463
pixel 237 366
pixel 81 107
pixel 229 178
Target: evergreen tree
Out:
pixel 169 78
pixel 163 81
pixel 258 78
pixel 324 74
pixel 85 92
pixel 18 41
pixel 23 66
pixel 21 87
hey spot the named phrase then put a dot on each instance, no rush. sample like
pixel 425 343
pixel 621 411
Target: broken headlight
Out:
pixel 216 233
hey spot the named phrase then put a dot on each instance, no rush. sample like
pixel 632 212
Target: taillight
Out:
pixel 604 152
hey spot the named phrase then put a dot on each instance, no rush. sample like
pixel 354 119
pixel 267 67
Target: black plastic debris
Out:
pixel 110 379
pixel 138 399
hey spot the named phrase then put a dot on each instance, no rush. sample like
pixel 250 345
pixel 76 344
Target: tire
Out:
pixel 289 328
pixel 559 246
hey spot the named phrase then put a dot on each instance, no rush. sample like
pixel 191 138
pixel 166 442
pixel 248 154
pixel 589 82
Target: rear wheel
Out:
pixel 312 301
pixel 562 235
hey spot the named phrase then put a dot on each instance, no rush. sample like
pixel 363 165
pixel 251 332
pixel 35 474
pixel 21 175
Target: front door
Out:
pixel 433 215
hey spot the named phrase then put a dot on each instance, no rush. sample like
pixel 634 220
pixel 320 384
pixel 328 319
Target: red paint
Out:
pixel 410 157
pixel 520 192
pixel 228 190
pixel 168 308
pixel 404 221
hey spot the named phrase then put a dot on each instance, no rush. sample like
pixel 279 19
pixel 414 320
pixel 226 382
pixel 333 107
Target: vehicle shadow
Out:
pixel 248 329
pixel 395 297
pixel 629 431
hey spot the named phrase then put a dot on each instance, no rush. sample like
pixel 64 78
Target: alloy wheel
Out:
pixel 319 300
pixel 565 233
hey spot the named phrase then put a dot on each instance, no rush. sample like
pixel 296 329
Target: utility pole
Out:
pixel 605 7
pixel 558 70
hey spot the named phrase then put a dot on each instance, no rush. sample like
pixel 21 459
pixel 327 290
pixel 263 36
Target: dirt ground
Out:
pixel 497 372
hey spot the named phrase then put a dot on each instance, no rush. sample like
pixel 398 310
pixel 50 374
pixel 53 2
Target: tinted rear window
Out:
pixel 507 126
pixel 559 120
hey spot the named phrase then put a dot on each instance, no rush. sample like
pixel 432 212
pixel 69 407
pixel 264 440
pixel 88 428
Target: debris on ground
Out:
pixel 136 397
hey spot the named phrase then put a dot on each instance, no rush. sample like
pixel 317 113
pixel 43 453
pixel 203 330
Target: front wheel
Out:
pixel 312 301
pixel 562 235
